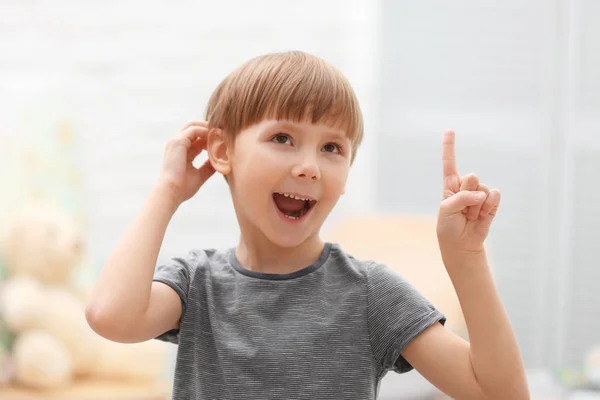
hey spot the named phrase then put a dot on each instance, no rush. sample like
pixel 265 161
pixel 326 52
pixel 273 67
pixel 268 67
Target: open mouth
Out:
pixel 293 206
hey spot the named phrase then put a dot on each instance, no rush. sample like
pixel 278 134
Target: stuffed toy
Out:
pixel 45 311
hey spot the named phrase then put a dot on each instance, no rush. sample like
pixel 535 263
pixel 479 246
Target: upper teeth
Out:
pixel 294 197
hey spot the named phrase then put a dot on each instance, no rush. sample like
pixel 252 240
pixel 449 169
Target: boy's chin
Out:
pixel 289 239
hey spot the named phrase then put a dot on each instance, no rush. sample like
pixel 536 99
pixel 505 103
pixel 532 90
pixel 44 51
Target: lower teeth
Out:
pixel 295 216
pixel 302 212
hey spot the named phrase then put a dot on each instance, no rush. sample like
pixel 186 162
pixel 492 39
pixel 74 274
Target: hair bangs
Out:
pixel 292 86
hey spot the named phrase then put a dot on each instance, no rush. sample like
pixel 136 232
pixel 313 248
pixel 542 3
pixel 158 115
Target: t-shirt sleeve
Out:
pixel 396 313
pixel 175 273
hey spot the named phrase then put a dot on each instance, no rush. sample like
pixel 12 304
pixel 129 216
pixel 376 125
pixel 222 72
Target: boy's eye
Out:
pixel 281 139
pixel 332 148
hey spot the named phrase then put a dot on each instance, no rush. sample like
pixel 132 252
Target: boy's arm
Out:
pixel 490 367
pixel 125 305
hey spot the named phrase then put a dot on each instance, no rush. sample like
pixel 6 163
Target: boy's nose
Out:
pixel 307 168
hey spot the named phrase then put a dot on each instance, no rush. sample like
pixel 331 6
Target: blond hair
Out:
pixel 293 86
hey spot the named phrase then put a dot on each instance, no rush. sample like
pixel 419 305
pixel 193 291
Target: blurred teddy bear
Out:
pixel 45 312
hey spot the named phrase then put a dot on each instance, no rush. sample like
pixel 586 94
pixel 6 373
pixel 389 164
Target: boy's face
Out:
pixel 276 163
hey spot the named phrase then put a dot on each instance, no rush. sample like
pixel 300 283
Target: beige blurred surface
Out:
pixel 408 245
pixel 93 390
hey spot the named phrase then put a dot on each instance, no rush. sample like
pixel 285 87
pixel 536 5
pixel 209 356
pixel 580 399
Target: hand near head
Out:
pixel 467 209
pixel 178 173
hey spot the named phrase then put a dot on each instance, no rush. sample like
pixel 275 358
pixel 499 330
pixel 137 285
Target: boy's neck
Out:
pixel 269 258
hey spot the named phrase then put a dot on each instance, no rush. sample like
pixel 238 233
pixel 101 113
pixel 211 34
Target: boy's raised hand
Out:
pixel 178 174
pixel 467 208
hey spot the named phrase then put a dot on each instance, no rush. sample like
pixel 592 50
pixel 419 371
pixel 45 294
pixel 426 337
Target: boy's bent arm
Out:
pixel 490 367
pixel 162 315
pixel 125 305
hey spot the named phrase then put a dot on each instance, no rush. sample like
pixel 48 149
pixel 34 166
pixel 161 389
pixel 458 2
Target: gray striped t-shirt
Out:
pixel 329 331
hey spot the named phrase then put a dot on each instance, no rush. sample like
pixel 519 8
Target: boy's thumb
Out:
pixel 465 198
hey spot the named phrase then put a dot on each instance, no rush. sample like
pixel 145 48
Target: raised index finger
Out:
pixel 448 155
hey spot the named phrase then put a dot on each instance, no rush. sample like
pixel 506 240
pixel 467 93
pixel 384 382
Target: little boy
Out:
pixel 284 315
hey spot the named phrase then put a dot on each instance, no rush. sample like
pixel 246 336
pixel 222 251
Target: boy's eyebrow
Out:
pixel 338 135
pixel 287 125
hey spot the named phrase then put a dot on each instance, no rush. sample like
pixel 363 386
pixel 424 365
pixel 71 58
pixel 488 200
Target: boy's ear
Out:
pixel 218 150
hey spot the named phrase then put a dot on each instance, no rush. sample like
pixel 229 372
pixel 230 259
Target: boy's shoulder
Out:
pixel 341 256
pixel 206 257
pixel 374 271
pixel 365 269
pixel 197 260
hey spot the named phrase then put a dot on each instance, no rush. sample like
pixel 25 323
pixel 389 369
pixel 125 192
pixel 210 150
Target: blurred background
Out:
pixel 90 91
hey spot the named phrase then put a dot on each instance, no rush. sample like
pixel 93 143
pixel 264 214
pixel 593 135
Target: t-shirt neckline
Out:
pixel 280 277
